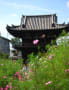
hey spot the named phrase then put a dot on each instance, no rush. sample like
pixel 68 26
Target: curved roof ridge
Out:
pixel 38 15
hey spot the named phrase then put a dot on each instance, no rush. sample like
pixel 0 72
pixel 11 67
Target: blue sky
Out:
pixel 12 10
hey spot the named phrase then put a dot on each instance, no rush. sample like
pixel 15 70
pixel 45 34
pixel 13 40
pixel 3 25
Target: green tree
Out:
pixel 16 41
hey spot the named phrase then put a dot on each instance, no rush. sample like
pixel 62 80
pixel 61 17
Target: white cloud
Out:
pixel 68 4
pixel 26 7
pixel 3 31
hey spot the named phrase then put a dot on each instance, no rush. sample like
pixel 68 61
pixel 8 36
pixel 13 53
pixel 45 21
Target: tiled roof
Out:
pixel 38 22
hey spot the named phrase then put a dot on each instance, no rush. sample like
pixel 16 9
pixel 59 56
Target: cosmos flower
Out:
pixel 48 83
pixel 43 36
pixel 17 73
pixel 67 70
pixel 1 88
pixel 50 57
pixel 30 70
pixel 7 86
pixel 35 42
pixel 6 89
pixel 4 77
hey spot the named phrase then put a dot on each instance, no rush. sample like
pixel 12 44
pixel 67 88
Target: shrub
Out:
pixel 2 55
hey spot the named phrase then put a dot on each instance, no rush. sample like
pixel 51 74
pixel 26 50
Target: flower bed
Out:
pixel 48 72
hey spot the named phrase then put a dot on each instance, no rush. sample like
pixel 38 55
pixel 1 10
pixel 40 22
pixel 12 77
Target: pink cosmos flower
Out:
pixel 6 88
pixel 30 70
pixel 20 77
pixel 4 77
pixel 43 36
pixel 67 70
pixel 35 42
pixel 51 56
pixel 26 73
pixel 48 83
pixel 17 73
pixel 1 88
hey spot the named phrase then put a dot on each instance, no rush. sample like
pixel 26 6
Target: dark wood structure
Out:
pixel 41 27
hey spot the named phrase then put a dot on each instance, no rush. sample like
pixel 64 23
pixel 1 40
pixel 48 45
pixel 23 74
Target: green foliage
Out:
pixel 2 55
pixel 47 46
pixel 53 42
pixel 53 70
pixel 44 72
pixel 63 33
pixel 16 41
pixel 8 68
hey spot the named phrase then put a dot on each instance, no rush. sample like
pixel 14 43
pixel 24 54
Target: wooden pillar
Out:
pixel 24 53
pixel 24 56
